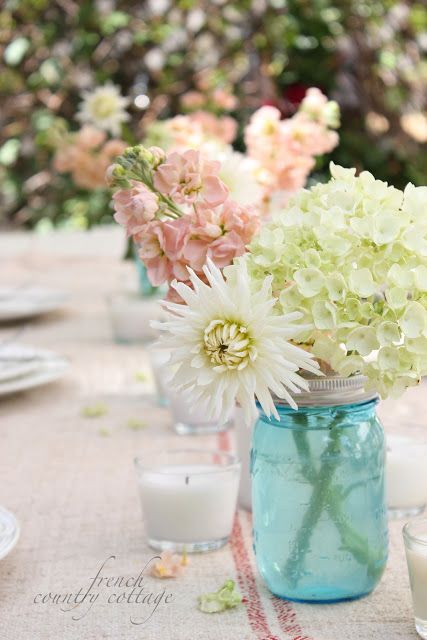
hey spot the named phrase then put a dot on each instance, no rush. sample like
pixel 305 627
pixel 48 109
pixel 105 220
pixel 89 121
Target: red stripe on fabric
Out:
pixel 287 619
pixel 247 584
pixel 286 615
pixel 224 443
pixel 245 577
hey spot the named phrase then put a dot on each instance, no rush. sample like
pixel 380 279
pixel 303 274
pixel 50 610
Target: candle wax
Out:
pixel 188 504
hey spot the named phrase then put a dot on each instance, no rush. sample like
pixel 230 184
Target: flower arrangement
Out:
pixel 350 258
pixel 280 153
pixel 86 154
pixel 285 150
pixel 178 211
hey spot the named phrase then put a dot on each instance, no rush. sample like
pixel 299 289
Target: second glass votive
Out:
pixel 415 537
pixel 189 420
pixel 188 498
pixel 406 474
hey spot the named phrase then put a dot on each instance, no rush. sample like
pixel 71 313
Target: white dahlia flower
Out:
pixel 227 344
pixel 105 108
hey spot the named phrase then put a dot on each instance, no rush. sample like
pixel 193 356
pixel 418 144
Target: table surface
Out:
pixel 70 481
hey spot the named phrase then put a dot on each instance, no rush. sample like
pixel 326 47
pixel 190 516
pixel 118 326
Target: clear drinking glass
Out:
pixel 188 498
pixel 189 420
pixel 415 538
pixel 406 473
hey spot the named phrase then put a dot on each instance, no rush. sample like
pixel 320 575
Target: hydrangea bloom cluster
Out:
pixel 351 256
pixel 285 149
pixel 87 155
pixel 178 211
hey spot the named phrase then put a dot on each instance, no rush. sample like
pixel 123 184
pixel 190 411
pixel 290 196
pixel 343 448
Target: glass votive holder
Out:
pixel 188 498
pixel 415 538
pixel 131 315
pixel 190 420
pixel 406 476
pixel 158 361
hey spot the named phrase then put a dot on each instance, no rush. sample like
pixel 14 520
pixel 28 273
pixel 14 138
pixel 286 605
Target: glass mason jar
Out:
pixel 319 511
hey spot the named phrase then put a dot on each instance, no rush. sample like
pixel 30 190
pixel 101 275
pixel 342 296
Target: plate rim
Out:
pixel 16 534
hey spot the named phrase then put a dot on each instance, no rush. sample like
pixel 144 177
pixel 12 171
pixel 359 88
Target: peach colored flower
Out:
pixel 224 99
pixel 161 249
pixel 135 207
pixel 89 137
pixel 169 566
pixel 193 100
pixel 222 128
pixel 188 177
pixel 220 233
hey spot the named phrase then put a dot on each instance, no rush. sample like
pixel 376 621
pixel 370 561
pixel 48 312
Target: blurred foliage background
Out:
pixel 369 55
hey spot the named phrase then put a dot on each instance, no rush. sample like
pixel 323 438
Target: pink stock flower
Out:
pixel 161 246
pixel 189 177
pixel 304 136
pixel 314 103
pixel 193 100
pixel 151 251
pixel 135 207
pixel 222 128
pixel 220 233
pixel 87 156
pixel 184 133
pixel 224 99
pixel 89 137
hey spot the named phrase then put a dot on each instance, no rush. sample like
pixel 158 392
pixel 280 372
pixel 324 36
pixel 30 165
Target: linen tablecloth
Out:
pixel 70 481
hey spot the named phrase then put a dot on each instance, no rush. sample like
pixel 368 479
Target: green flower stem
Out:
pixel 351 540
pixel 318 501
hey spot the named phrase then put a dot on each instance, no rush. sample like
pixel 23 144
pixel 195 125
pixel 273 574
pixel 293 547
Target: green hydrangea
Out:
pixel 351 256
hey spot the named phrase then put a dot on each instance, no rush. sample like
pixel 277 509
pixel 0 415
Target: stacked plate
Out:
pixel 23 367
pixel 9 532
pixel 26 301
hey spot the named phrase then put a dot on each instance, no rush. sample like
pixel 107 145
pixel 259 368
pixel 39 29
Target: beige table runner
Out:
pixel 70 481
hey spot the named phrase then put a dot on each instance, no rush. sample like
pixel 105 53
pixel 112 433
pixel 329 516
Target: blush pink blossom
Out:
pixel 222 128
pixel 220 233
pixel 188 177
pixel 151 252
pixel 89 137
pixel 193 100
pixel 224 99
pixel 135 207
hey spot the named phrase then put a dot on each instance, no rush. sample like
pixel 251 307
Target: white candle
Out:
pixel 406 475
pixel 415 536
pixel 191 500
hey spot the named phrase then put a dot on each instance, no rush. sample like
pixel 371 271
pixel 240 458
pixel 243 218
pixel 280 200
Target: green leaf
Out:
pixel 114 21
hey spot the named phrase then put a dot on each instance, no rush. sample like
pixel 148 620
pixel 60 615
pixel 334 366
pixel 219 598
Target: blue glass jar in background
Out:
pixel 319 511
pixel 144 284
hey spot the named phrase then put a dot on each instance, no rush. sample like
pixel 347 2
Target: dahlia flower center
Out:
pixel 228 344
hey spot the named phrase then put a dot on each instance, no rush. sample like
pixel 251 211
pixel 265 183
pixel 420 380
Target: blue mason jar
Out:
pixel 319 511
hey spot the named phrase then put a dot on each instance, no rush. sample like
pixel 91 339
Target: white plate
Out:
pixel 9 532
pixel 18 303
pixel 15 361
pixel 48 367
